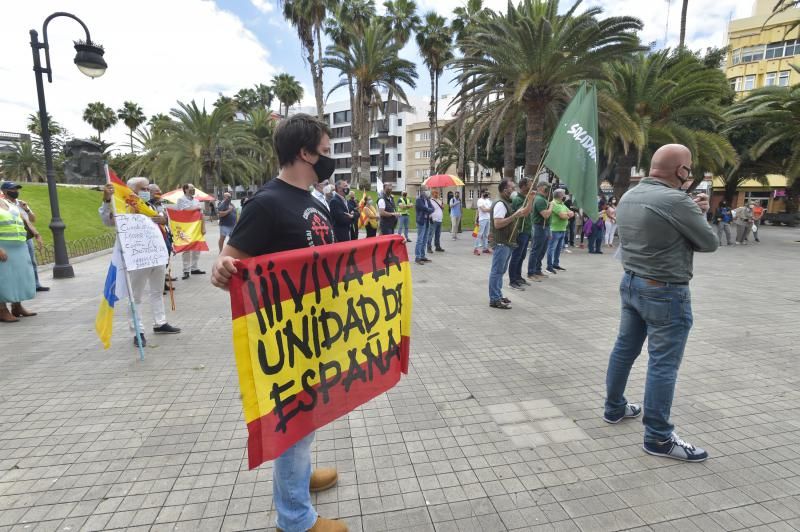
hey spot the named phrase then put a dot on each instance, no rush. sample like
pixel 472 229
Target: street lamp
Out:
pixel 383 139
pixel 89 60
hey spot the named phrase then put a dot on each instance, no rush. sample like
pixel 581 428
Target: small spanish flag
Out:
pixel 187 233
pixel 362 218
pixel 125 201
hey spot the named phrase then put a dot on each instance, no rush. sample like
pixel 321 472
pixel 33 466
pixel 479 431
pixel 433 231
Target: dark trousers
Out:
pixel 595 241
pixel 371 231
pixel 570 238
pixel 354 231
pixel 541 234
pixel 518 257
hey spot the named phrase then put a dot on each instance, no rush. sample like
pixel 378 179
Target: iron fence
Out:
pixel 75 248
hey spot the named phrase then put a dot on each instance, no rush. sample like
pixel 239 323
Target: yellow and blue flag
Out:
pixel 104 321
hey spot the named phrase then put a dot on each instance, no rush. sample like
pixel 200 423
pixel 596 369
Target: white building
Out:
pixel 339 117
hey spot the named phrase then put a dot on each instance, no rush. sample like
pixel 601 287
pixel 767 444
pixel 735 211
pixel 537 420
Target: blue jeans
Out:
pixel 500 258
pixel 541 234
pixel 518 257
pixel 595 240
pixel 32 253
pixel 662 315
pixel 554 248
pixel 483 234
pixel 402 228
pixel 291 474
pixel 422 239
pixel 435 234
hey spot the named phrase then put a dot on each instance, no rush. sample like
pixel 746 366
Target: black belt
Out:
pixel 655 282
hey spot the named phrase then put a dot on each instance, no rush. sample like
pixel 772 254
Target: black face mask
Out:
pixel 346 191
pixel 13 194
pixel 324 167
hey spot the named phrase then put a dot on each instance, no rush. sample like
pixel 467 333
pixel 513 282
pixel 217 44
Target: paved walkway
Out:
pixel 497 426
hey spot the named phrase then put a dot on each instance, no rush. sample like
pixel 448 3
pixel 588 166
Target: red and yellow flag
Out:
pixel 317 332
pixel 362 217
pixel 125 201
pixel 187 230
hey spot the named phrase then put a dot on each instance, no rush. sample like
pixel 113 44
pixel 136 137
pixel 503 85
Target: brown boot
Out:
pixel 326 525
pixel 5 315
pixel 19 311
pixel 322 479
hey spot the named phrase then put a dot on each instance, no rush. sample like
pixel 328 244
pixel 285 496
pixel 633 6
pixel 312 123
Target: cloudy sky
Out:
pixel 168 50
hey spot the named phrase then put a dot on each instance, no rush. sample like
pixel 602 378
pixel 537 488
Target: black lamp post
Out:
pixel 383 139
pixel 89 60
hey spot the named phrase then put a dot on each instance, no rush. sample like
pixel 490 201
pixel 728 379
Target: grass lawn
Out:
pixel 78 210
pixel 467 215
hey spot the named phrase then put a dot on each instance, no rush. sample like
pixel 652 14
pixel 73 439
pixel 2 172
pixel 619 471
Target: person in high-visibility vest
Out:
pixel 17 282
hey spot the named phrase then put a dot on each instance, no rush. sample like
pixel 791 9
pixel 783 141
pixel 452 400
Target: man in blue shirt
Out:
pixel 424 208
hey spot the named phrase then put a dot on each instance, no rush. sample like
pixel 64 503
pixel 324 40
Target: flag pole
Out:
pixel 532 190
pixel 134 314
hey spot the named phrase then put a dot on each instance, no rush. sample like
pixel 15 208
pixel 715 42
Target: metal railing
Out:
pixel 76 248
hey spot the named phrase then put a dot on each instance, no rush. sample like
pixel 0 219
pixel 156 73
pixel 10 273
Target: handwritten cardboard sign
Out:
pixel 141 241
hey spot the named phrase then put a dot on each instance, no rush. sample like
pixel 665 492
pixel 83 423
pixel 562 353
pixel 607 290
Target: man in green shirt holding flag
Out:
pixel 523 237
pixel 558 229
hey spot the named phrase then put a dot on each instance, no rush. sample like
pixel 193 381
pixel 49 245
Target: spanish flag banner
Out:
pixel 187 233
pixel 125 201
pixel 317 332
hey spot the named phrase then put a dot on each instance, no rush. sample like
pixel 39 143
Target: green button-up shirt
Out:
pixel 660 228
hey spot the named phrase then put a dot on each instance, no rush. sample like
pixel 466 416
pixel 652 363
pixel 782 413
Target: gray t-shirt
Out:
pixel 228 220
pixel 660 228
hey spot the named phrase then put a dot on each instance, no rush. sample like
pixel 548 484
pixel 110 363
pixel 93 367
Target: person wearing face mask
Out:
pixel 352 205
pixel 558 229
pixel 523 238
pixel 144 281
pixel 387 211
pixel 503 219
pixel 11 191
pixel 318 192
pixel 281 217
pixel 484 209
pixel 191 259
pixel 424 208
pixel 16 272
pixel 373 218
pixel 341 213
pixel 660 228
pixel 161 209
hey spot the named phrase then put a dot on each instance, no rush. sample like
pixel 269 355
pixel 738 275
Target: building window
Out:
pixel 783 78
pixel 737 56
pixel 399 140
pixel 424 154
pixel 749 82
pixel 751 54
pixel 770 78
pixel 774 49
pixel 471 193
pixel 425 135
pixel 736 84
pixel 341 117
pixel 341 147
pixel 399 121
pixel 399 156
pixel 341 132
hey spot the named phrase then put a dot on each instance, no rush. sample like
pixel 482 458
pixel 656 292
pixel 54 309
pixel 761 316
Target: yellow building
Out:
pixel 759 52
pixel 418 160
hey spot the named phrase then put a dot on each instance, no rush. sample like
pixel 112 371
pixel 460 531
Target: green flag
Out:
pixel 572 154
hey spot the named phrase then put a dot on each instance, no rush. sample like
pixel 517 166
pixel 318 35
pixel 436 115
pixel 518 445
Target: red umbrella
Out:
pixel 443 181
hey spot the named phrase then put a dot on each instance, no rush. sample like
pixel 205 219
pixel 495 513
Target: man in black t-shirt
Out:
pixel 283 216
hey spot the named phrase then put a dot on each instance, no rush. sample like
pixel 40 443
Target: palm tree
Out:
pixel 264 96
pixel 35 126
pixel 100 116
pixel 373 65
pixel 532 54
pixel 669 98
pixel 434 39
pixel 245 100
pixel 132 116
pixel 775 113
pixel 684 8
pixel 261 125
pixel 288 91
pixel 223 100
pixel 23 162
pixel 308 17
pixel 198 144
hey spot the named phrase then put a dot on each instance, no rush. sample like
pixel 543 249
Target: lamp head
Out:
pixel 89 59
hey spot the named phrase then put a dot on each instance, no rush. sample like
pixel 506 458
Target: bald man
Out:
pixel 660 228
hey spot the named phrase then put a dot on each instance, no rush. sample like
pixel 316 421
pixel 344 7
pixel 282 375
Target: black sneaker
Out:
pixel 439 249
pixel 517 286
pixel 166 329
pixel 186 275
pixel 525 282
pixel 42 288
pixel 559 268
pixel 136 341
pixel 677 449
pixel 631 411
pixel 420 261
pixel 198 272
pixel 499 303
pixel 505 300
pixel 426 259
pixel 551 270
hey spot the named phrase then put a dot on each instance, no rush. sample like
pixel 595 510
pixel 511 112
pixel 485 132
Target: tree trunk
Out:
pixel 365 177
pixel 355 148
pixel 622 179
pixel 682 41
pixel 131 135
pixel 208 180
pixel 461 170
pixel 534 138
pixel 510 150
pixel 432 121
pixel 318 94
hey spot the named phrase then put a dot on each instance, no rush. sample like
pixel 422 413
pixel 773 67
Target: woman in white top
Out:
pixel 611 222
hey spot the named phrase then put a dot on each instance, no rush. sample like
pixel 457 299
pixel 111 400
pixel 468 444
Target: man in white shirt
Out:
pixel 435 232
pixel 190 258
pixel 484 215
pixel 318 191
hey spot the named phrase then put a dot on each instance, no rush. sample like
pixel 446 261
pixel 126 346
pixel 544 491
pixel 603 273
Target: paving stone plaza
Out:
pixel 497 426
